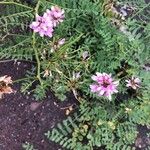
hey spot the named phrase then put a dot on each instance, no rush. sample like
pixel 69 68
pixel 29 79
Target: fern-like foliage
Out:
pixel 60 133
pixel 96 127
pixel 14 21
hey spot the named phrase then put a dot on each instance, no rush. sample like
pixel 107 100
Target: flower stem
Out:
pixel 15 3
pixel 35 49
pixel 22 79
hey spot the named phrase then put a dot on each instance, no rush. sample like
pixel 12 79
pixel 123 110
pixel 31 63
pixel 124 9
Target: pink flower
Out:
pixel 105 85
pixel 43 25
pixel 94 88
pixel 134 83
pixel 56 14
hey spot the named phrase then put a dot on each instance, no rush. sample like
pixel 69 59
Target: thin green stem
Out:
pixel 37 58
pixel 16 14
pixel 140 11
pixel 23 90
pixel 35 49
pixel 22 79
pixel 10 3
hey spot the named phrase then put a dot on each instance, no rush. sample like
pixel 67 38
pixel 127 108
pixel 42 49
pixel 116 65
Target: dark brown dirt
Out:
pixel 142 141
pixel 22 118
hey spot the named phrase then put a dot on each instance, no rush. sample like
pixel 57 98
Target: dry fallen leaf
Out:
pixel 69 110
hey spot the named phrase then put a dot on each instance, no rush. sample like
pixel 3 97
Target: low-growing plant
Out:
pixel 93 48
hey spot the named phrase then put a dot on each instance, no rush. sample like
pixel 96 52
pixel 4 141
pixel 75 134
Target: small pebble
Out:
pixel 34 105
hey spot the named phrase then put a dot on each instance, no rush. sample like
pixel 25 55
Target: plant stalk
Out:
pixel 35 49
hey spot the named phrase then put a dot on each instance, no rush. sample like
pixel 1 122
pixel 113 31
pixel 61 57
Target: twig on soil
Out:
pixel 20 60
pixel 67 107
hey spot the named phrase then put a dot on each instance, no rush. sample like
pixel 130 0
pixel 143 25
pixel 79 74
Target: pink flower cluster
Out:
pixel 105 85
pixel 51 18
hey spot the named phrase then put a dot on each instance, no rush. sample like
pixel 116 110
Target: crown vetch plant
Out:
pixel 78 40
